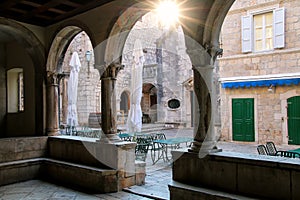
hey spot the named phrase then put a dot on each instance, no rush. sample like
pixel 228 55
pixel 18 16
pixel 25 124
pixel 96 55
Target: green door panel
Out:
pixel 293 111
pixel 243 120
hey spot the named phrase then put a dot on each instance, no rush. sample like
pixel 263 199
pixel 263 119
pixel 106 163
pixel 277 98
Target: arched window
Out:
pixel 15 90
pixel 124 104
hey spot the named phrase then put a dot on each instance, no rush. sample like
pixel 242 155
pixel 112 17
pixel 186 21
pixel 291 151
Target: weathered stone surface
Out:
pixel 250 175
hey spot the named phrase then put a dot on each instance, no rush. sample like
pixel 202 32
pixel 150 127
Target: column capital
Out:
pixel 214 52
pixel 111 71
pixel 52 78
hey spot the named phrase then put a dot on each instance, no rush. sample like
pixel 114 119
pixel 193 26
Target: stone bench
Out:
pixel 79 176
pixel 184 191
pixel 250 175
pixel 72 161
pixel 69 174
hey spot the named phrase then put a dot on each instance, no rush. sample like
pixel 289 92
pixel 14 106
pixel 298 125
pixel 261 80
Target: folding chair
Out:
pixel 271 149
pixel 262 150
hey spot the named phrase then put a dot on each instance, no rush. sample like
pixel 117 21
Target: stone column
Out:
pixel 160 91
pixel 205 103
pixel 108 100
pixel 3 97
pixel 52 123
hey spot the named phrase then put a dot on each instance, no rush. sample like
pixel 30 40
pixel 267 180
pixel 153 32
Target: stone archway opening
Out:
pixel 68 40
pixel 21 49
pixel 165 70
pixel 149 103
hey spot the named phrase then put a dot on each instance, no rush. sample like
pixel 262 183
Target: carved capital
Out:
pixel 52 78
pixel 111 71
pixel 214 52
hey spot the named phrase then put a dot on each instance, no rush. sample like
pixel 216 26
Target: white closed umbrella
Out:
pixel 72 90
pixel 134 121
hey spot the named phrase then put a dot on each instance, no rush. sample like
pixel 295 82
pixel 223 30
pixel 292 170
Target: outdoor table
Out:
pixel 172 143
pixel 295 150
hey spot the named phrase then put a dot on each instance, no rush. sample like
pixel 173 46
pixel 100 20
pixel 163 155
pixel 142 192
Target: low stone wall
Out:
pixel 250 175
pixel 19 148
pixel 72 161
pixel 91 179
pixel 21 170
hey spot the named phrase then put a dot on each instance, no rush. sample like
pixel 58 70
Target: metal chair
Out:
pixel 271 148
pixel 156 148
pixel 262 150
pixel 141 149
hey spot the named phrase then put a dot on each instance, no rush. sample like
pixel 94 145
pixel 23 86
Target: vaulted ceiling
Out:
pixel 45 12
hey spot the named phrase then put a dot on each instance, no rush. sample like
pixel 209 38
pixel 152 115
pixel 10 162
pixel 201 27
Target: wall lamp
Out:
pixel 271 88
pixel 88 55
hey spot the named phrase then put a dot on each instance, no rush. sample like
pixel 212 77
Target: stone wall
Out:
pixel 176 70
pixel 253 176
pixel 270 108
pixel 89 86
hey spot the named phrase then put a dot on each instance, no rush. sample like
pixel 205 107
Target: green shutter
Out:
pixel 243 119
pixel 293 112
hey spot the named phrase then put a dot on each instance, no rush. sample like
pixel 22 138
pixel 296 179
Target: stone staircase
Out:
pixel 147 128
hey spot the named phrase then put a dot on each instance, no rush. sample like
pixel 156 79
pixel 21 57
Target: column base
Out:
pixel 204 148
pixel 110 138
pixel 53 132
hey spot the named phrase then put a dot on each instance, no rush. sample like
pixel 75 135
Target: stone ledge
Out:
pixel 245 174
pixel 70 174
pixel 183 191
pixel 80 176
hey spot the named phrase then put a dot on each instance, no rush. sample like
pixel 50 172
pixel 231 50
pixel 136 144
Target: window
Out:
pixel 263 31
pixel 174 103
pixel 15 90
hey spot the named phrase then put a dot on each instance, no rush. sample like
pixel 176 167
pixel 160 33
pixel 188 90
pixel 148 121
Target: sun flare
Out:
pixel 168 13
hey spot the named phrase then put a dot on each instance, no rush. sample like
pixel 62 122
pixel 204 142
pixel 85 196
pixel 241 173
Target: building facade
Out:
pixel 167 87
pixel 260 72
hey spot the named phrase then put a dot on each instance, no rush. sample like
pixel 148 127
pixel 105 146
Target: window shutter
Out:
pixel 246 34
pixel 279 28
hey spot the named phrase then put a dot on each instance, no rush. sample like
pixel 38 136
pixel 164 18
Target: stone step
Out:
pixel 150 127
pixel 69 174
pixel 182 191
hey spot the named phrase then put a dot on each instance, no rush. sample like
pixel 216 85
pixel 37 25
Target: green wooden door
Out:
pixel 243 120
pixel 293 111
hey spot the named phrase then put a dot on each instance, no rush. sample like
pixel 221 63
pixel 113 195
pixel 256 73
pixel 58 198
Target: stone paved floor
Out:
pixel 156 183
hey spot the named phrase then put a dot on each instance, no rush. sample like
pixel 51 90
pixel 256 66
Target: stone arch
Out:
pixel 60 43
pixel 35 50
pixel 202 42
pixel 120 30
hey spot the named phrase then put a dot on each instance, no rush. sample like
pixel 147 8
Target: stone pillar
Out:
pixel 3 97
pixel 205 103
pixel 108 100
pixel 160 92
pixel 52 122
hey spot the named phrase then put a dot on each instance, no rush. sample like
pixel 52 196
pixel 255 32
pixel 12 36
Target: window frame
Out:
pixel 15 90
pixel 278 25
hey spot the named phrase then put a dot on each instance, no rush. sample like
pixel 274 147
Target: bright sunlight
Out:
pixel 168 13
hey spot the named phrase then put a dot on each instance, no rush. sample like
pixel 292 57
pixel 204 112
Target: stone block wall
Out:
pixel 256 176
pixel 270 108
pixel 13 149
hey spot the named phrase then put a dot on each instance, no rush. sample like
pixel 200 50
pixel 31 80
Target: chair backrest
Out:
pixel 262 149
pixel 271 149
pixel 141 148
pixel 160 136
